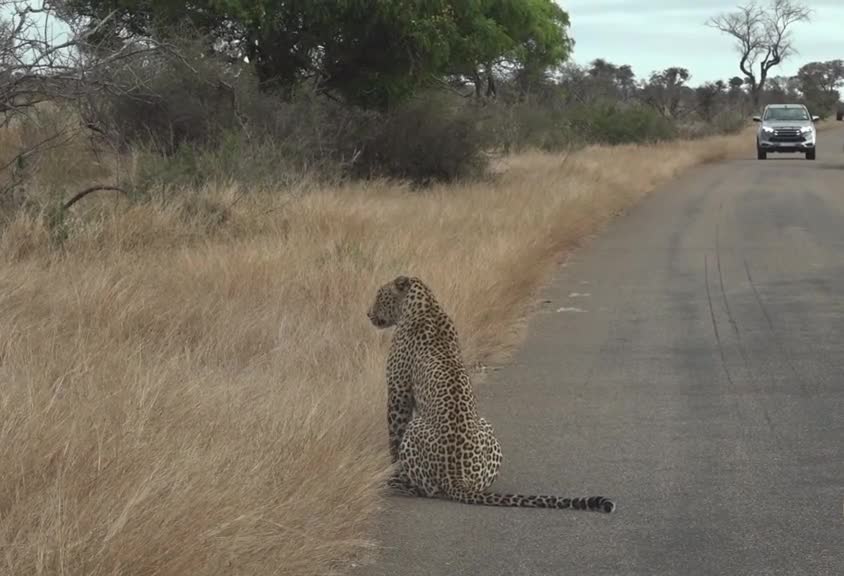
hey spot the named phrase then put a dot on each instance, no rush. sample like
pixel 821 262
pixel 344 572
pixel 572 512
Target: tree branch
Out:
pixel 759 31
pixel 80 195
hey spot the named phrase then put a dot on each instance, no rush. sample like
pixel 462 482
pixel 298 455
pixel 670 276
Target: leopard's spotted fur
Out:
pixel 445 449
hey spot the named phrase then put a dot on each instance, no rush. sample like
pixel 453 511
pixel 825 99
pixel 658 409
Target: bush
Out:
pixel 165 102
pixel 547 125
pixel 295 139
pixel 435 137
pixel 198 120
pixel 613 124
pixel 177 102
pixel 729 122
pixel 530 124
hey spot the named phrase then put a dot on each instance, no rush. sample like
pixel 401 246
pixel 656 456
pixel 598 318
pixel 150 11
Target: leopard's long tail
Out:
pixel 592 503
pixel 401 485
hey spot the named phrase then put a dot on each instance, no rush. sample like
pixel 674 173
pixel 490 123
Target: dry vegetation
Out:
pixel 192 386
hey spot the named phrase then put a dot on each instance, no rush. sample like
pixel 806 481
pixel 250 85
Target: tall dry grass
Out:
pixel 193 387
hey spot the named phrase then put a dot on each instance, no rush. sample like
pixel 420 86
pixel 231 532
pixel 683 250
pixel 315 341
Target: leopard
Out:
pixel 440 447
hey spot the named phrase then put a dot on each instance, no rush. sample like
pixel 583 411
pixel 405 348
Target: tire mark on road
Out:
pixel 782 348
pixel 715 324
pixel 730 316
pixel 766 415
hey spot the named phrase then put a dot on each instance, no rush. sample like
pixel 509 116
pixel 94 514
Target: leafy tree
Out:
pixel 819 83
pixel 602 79
pixel 600 68
pixel 607 80
pixel 783 89
pixel 707 96
pixel 625 79
pixel 664 91
pixel 762 35
pixel 371 52
pixel 532 37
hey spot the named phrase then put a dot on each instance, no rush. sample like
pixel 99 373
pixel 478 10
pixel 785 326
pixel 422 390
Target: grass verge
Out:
pixel 192 386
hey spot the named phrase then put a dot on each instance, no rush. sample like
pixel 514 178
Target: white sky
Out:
pixel 655 34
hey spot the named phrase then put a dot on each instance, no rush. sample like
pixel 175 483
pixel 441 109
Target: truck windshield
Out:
pixel 786 114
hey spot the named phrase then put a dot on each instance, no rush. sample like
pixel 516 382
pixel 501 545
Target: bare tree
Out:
pixel 47 57
pixel 762 35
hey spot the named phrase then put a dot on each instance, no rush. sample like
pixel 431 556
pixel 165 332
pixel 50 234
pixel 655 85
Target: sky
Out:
pixel 655 34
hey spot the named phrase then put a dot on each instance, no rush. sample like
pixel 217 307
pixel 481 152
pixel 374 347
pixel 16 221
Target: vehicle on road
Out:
pixel 786 128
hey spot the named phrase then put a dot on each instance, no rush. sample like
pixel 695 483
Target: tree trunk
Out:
pixel 491 91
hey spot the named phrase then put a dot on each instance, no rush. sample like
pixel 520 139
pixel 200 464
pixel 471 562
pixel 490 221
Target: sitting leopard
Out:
pixel 445 450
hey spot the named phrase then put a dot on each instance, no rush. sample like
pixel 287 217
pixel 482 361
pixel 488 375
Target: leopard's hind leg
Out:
pixel 492 451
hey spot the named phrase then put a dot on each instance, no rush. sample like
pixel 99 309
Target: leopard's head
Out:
pixel 386 309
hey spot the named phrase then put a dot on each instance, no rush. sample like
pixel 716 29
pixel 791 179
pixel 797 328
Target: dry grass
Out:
pixel 67 156
pixel 194 388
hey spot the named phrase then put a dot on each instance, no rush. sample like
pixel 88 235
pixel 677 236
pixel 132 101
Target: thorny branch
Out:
pixel 47 58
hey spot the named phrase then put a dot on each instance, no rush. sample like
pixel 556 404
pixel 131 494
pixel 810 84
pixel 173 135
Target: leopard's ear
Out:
pixel 402 283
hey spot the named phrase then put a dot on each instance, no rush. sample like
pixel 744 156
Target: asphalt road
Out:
pixel 701 387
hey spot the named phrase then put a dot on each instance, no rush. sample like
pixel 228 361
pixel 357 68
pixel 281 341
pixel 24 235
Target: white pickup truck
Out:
pixel 786 128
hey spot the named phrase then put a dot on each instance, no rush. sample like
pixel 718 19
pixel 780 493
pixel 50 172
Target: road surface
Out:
pixel 701 387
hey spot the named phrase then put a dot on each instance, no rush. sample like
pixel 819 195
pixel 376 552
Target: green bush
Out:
pixel 729 122
pixel 530 124
pixel 548 126
pixel 613 124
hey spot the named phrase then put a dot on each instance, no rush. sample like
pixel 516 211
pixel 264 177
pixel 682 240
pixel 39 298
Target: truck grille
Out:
pixel 787 135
